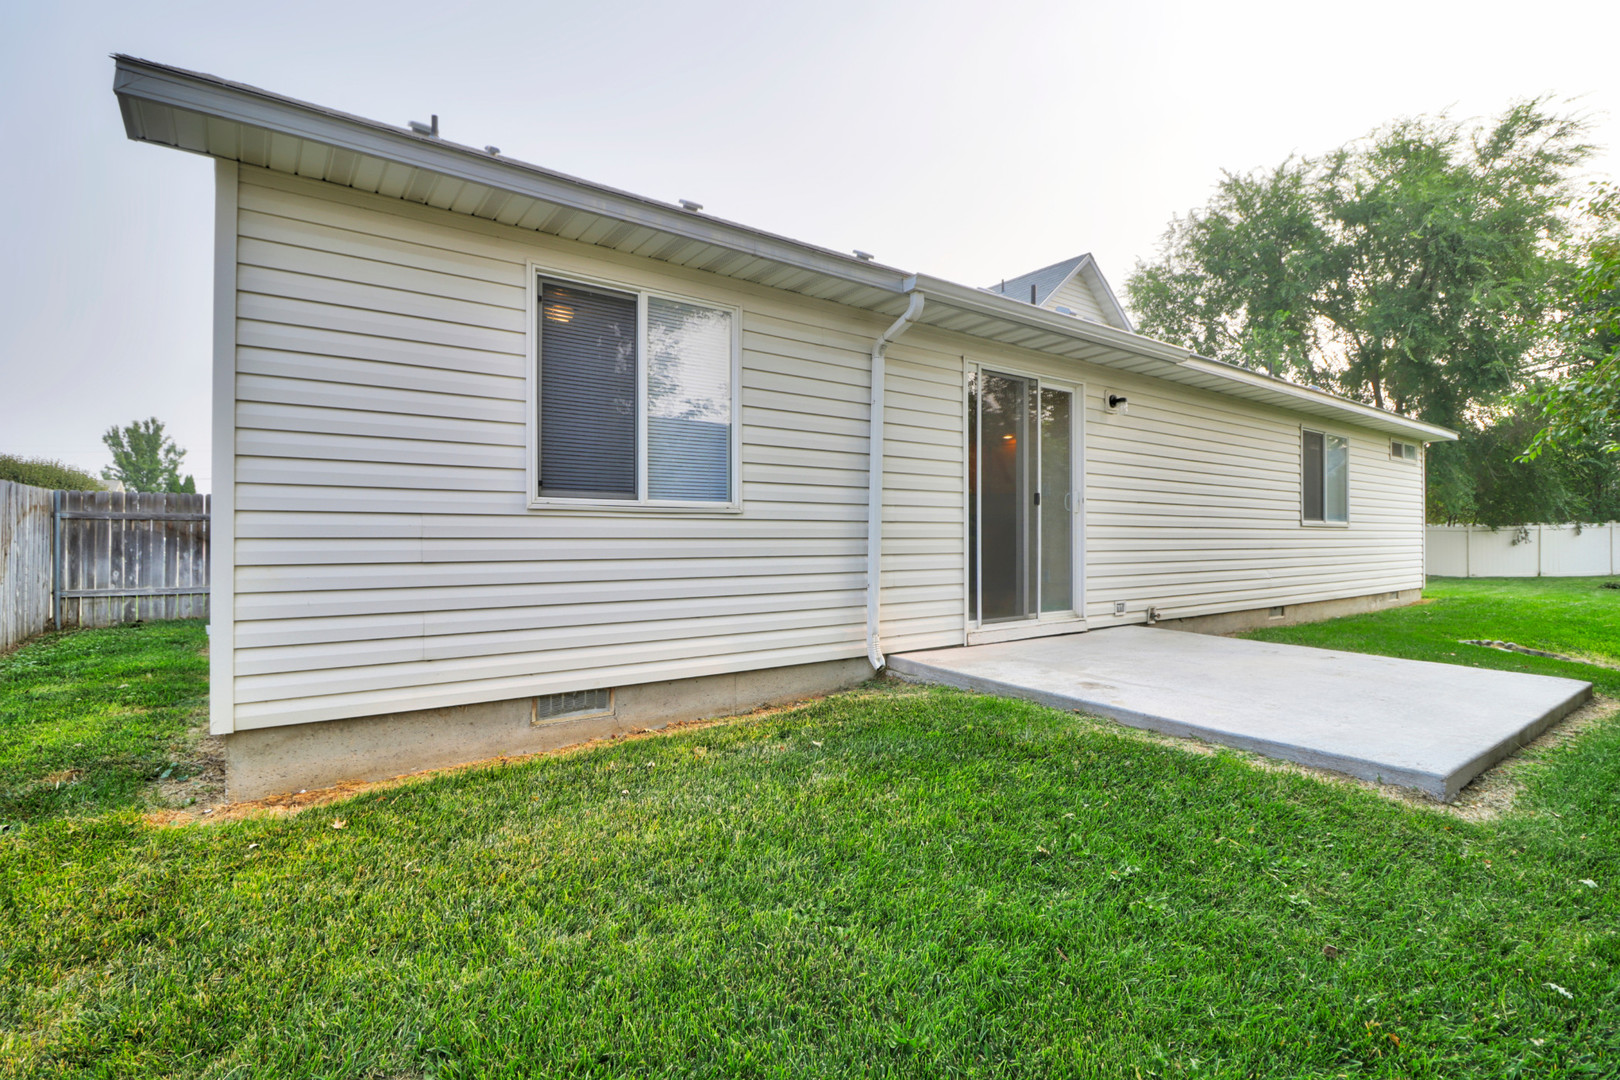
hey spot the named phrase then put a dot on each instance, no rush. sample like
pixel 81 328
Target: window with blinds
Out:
pixel 636 397
pixel 1325 478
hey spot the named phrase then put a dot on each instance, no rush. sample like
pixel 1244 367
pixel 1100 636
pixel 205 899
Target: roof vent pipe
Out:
pixel 874 483
pixel 426 129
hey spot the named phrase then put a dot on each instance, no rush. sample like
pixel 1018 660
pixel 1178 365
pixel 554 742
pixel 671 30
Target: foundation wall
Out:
pixel 1235 622
pixel 274 761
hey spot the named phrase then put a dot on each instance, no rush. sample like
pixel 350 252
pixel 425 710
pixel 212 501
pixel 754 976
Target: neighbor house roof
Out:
pixel 1038 286
pixel 223 119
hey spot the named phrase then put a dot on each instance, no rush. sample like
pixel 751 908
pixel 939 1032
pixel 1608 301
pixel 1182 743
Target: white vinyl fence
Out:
pixel 1526 551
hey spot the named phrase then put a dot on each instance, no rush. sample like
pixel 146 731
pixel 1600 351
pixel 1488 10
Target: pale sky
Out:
pixel 970 141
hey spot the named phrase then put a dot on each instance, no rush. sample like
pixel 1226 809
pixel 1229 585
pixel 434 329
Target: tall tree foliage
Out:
pixel 145 459
pixel 1485 479
pixel 1407 270
pixel 1581 401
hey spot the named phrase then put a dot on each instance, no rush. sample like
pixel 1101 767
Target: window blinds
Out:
pixel 587 393
pixel 1313 476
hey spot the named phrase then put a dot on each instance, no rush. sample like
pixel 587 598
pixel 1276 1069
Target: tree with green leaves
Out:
pixel 1581 402
pixel 1408 270
pixel 145 459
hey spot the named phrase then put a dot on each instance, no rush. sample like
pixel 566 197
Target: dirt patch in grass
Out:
pixel 195 776
pixel 187 804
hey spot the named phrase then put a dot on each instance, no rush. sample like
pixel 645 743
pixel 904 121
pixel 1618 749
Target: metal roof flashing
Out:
pixel 212 116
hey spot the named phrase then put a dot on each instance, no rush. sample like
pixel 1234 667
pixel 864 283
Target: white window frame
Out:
pixel 972 369
pixel 1349 443
pixel 641 503
pixel 1417 453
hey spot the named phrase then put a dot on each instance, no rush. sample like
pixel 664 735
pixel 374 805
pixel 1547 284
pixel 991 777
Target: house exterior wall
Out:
pixel 384 555
pixel 385 558
pixel 1191 500
pixel 1077 296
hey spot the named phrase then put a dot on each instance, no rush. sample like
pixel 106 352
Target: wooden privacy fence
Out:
pixel 124 556
pixel 25 561
pixel 99 558
pixel 1523 551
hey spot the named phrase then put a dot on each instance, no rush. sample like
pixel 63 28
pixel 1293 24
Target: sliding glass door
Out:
pixel 1021 498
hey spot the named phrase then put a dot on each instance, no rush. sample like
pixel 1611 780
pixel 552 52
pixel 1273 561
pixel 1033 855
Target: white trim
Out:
pixel 1323 522
pixel 642 478
pixel 222 526
pixel 162 87
pixel 641 504
pixel 1077 484
pixel 1108 302
pixel 1026 628
pixel 973 617
pixel 150 95
pixel 1108 292
pixel 969 585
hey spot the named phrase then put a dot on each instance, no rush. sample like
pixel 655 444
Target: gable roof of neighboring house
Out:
pixel 232 121
pixel 1041 288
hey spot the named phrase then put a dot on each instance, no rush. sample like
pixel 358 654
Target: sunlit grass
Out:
pixel 893 882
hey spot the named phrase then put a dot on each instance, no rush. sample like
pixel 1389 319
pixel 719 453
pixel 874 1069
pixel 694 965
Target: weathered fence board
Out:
pixel 131 555
pixel 25 562
pixel 1530 551
pixel 97 558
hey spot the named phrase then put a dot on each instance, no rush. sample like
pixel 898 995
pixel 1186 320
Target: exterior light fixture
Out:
pixel 1117 403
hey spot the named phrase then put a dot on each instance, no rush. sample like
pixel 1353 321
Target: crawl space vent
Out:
pixel 571 704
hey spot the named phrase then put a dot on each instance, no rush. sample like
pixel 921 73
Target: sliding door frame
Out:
pixel 973 489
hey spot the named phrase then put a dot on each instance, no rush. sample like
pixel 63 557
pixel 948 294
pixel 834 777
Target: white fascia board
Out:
pixel 1002 307
pixel 251 107
pixel 1351 410
pixel 1285 394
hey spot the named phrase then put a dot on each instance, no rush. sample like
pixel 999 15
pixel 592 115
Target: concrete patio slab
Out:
pixel 1411 723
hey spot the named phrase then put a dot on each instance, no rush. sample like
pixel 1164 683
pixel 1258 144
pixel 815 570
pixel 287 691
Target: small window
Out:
pixel 1403 451
pixel 635 397
pixel 1325 482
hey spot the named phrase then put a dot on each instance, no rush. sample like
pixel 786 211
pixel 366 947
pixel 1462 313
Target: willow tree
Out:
pixel 1408 270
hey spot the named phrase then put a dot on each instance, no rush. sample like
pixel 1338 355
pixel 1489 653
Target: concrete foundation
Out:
pixel 1236 622
pixel 273 761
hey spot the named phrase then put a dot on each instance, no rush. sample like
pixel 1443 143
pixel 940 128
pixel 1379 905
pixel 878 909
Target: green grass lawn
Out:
pixel 87 719
pixel 894 882
pixel 1574 617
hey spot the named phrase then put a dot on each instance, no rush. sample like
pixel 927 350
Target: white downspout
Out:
pixel 874 504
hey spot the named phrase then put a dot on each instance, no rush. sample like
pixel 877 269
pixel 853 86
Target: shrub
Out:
pixel 44 473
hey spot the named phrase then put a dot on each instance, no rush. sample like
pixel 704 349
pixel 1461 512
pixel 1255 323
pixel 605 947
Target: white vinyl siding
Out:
pixel 1077 296
pixel 1194 507
pixel 1191 500
pixel 385 557
pixel 924 500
